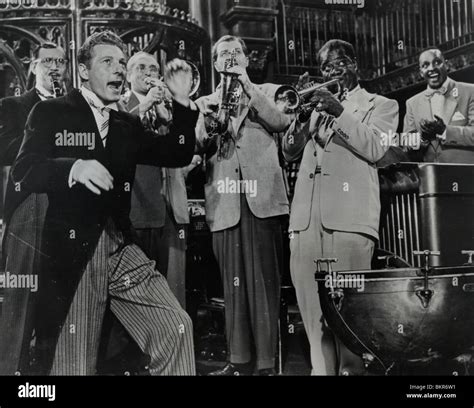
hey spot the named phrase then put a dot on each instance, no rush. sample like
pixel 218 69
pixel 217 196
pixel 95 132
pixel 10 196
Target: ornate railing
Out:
pixel 147 6
pixel 149 25
pixel 387 35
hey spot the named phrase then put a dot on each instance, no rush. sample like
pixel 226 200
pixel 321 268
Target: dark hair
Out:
pixel 228 38
pixel 46 46
pixel 332 45
pixel 84 55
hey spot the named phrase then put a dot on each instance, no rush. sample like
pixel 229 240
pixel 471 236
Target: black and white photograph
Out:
pixel 237 188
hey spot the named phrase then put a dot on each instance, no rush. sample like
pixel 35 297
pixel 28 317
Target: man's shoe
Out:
pixel 233 369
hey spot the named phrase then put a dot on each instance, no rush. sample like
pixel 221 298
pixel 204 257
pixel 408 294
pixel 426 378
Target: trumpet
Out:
pixel 289 100
pixel 195 84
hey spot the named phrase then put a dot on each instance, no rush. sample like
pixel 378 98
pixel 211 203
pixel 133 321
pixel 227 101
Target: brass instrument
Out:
pixel 58 89
pixel 290 100
pixel 196 82
pixel 231 90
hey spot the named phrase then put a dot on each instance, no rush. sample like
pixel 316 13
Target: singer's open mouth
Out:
pixel 115 85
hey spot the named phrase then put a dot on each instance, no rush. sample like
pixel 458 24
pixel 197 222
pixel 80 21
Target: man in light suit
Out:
pixel 443 114
pixel 245 199
pixel 159 211
pixel 336 206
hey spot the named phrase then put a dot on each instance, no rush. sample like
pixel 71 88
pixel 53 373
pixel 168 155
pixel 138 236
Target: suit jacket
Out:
pixel 76 217
pixel 254 155
pixel 458 115
pixel 349 199
pixel 150 195
pixel 14 112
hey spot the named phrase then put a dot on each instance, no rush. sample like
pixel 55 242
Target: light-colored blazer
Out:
pixel 148 206
pixel 458 115
pixel 349 199
pixel 255 155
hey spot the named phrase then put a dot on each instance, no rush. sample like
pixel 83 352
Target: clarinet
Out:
pixel 57 88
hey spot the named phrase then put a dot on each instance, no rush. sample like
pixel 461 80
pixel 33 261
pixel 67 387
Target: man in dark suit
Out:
pixel 159 211
pixel 83 153
pixel 24 212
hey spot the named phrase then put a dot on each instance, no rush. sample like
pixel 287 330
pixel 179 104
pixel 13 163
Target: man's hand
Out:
pixel 93 175
pixel 195 162
pixel 432 128
pixel 323 100
pixel 207 105
pixel 179 80
pixel 243 78
pixel 155 95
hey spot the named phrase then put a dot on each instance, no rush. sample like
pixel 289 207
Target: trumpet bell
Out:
pixel 287 98
pixel 196 78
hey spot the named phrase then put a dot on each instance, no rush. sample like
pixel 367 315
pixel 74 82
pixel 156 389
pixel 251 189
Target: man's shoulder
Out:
pixel 268 88
pixel 463 86
pixel 28 98
pixel 379 99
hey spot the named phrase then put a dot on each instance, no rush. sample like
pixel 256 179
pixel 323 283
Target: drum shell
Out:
pixel 389 318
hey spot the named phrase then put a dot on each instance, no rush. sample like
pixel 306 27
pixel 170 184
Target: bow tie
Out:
pixel 430 92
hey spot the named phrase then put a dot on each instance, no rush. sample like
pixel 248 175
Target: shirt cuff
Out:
pixel 71 182
pixel 193 106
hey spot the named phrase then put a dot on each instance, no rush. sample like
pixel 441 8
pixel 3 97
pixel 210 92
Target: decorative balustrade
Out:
pixel 387 35
pixel 155 7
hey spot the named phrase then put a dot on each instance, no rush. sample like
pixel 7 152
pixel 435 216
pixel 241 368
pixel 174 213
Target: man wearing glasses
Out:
pixel 336 206
pixel 24 212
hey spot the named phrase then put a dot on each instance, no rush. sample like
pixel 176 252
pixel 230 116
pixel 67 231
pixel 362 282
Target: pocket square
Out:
pixel 458 116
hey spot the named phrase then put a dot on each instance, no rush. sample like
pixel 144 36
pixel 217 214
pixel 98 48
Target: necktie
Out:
pixel 103 123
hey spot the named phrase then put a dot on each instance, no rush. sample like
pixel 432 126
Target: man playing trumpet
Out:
pixel 159 211
pixel 336 207
pixel 246 223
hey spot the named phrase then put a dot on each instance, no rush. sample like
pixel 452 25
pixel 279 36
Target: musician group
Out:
pixel 104 224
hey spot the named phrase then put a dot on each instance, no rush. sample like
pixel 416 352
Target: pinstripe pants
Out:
pixel 139 297
pixel 23 257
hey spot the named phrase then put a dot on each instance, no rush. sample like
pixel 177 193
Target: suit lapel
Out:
pixel 240 120
pixel 87 118
pixel 450 103
pixel 424 108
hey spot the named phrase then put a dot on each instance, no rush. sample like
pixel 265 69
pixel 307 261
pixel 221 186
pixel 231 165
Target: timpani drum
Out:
pixel 401 315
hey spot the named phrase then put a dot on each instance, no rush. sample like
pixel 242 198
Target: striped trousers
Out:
pixel 141 300
pixel 23 257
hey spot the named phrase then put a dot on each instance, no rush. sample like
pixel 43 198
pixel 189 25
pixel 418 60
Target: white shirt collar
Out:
pixel 88 94
pixel 43 92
